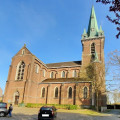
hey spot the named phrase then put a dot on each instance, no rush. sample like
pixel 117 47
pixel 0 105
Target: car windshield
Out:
pixel 2 104
pixel 46 108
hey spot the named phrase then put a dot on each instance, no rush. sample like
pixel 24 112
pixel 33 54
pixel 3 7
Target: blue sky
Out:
pixel 51 29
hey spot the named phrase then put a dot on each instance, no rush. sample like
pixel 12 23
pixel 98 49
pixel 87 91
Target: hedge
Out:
pixel 58 106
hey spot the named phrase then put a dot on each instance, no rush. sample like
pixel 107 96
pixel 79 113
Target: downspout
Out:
pixel 47 94
pixel 60 94
pixel 74 98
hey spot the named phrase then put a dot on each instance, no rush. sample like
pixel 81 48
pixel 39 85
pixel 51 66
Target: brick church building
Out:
pixel 32 81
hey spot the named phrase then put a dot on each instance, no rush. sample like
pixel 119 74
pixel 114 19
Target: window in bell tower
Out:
pixel 93 48
pixel 82 47
pixel 92 51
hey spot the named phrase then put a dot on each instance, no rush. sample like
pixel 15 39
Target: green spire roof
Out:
pixel 93 27
pixel 100 29
pixel 93 30
pixel 84 31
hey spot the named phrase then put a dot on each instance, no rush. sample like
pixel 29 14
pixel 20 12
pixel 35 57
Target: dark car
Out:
pixel 47 112
pixel 3 109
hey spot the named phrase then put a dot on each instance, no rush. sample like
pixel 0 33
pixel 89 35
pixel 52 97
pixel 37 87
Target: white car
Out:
pixel 3 109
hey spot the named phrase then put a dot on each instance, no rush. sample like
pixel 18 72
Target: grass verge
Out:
pixel 84 112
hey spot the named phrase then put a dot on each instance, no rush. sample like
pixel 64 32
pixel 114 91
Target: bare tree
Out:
pixel 114 63
pixel 114 6
pixel 115 96
pixel 96 73
pixel 113 82
pixel 114 58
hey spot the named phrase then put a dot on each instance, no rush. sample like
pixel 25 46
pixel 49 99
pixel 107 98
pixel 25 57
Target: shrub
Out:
pixel 72 107
pixel 58 106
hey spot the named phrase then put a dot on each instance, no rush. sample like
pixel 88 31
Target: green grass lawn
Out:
pixel 84 111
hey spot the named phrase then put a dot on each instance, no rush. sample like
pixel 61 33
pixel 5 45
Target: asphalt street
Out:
pixel 65 116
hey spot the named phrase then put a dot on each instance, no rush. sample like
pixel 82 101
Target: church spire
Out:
pixel 93 30
pixel 92 27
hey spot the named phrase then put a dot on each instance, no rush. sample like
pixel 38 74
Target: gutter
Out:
pixel 65 82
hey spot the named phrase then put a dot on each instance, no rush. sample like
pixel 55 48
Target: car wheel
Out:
pixel 2 114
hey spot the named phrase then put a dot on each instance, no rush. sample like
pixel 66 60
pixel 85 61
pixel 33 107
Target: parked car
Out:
pixel 47 112
pixel 3 109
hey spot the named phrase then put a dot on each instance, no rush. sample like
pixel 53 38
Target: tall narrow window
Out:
pixel 82 47
pixel 43 92
pixel 85 93
pixel 51 74
pixel 43 73
pixel 74 73
pixel 56 92
pixel 63 74
pixel 37 68
pixel 92 51
pixel 70 92
pixel 20 70
pixel 92 48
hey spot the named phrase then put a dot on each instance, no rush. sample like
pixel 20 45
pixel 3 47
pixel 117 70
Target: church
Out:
pixel 30 80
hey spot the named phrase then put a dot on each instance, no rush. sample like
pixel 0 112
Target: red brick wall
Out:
pixel 64 94
pixel 99 48
pixel 30 88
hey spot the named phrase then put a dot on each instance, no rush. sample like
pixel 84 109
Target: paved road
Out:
pixel 61 116
pixel 32 115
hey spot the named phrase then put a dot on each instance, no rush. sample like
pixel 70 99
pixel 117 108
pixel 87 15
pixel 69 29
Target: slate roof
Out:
pixel 64 64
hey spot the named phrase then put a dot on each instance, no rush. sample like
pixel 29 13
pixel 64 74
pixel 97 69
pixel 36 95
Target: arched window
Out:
pixel 56 92
pixel 43 73
pixel 92 48
pixel 63 74
pixel 85 93
pixel 37 68
pixel 92 51
pixel 43 92
pixel 70 92
pixel 51 74
pixel 74 73
pixel 20 70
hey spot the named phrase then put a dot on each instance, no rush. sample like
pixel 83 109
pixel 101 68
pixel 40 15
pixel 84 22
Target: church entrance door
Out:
pixel 16 100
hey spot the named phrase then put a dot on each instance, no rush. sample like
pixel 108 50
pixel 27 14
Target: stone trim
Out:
pixel 89 39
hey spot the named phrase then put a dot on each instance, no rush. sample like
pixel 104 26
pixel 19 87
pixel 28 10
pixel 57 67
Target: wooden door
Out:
pixel 16 100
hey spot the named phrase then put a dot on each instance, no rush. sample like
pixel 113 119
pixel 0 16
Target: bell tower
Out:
pixel 92 41
pixel 93 52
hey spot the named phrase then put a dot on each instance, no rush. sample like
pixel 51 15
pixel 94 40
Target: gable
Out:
pixel 23 51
